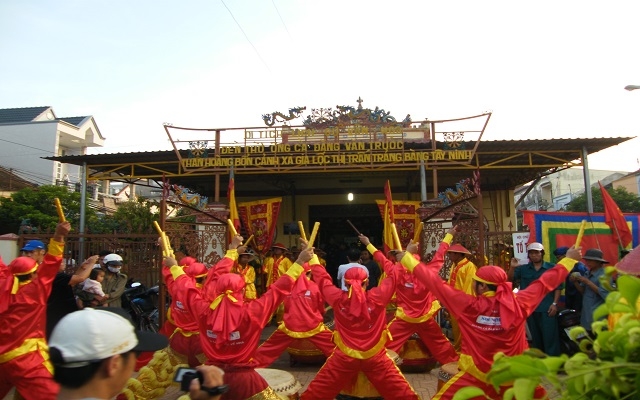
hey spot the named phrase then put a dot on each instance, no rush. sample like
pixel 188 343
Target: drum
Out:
pixel 447 372
pixel 416 357
pixel 362 388
pixel 282 382
pixel 305 352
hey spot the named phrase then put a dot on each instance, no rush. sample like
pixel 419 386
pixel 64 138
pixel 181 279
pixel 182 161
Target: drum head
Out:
pixel 282 382
pixel 450 368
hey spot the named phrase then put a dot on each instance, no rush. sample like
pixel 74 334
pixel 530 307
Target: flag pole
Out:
pixel 615 226
pixel 593 228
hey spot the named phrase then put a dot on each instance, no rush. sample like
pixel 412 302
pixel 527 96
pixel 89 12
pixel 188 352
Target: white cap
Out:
pixel 535 246
pixel 90 335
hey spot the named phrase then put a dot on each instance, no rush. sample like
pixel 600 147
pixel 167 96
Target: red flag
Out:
pixel 614 218
pixel 233 209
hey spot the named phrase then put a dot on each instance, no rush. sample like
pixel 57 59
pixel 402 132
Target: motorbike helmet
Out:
pixel 535 246
pixel 112 260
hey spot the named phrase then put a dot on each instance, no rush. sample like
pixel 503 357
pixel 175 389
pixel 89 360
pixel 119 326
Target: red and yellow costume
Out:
pixel 490 323
pixel 185 338
pixel 24 357
pixel 222 267
pixel 360 336
pixel 416 308
pixel 185 346
pixel 461 278
pixel 303 319
pixel 230 328
pixel 249 275
pixel 276 266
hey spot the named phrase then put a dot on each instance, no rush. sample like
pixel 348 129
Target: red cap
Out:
pixel 22 266
pixel 280 246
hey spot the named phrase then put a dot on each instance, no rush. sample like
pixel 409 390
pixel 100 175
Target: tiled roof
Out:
pixel 73 120
pixel 26 114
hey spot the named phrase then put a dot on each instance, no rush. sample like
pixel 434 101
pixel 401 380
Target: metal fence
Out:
pixel 140 252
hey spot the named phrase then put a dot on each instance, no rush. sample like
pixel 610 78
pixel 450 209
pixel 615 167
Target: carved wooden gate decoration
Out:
pixel 455 207
pixel 197 240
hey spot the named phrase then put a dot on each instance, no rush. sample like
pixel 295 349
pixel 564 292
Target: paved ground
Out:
pixel 424 384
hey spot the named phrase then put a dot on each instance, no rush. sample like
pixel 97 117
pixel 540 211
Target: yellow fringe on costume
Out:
pixel 266 394
pixel 154 378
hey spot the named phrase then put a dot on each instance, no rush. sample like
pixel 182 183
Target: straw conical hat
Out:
pixel 630 264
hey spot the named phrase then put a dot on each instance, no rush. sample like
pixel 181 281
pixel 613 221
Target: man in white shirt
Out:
pixel 353 256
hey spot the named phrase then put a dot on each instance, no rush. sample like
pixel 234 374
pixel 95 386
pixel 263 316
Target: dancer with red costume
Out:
pixel 360 336
pixel 25 286
pixel 494 314
pixel 185 338
pixel 231 328
pixel 303 319
pixel 416 308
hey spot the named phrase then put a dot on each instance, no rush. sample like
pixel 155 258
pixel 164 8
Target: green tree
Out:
pixel 37 206
pixel 627 202
pixel 134 216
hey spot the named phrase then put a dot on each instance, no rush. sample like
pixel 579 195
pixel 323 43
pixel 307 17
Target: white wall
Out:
pixel 9 247
pixel 23 145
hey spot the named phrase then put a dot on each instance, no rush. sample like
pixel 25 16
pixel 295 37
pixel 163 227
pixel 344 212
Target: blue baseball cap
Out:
pixel 561 251
pixel 33 245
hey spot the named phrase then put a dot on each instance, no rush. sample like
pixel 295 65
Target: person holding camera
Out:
pixel 90 362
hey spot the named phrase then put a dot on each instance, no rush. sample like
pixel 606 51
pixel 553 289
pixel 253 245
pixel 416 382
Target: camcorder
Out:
pixel 185 375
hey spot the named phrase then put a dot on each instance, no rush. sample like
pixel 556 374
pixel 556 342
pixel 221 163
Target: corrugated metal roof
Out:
pixel 505 164
pixel 486 146
pixel 26 114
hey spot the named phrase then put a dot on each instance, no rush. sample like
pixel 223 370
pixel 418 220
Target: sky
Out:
pixel 545 69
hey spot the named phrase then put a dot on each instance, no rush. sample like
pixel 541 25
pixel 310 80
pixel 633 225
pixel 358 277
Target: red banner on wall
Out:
pixel 261 217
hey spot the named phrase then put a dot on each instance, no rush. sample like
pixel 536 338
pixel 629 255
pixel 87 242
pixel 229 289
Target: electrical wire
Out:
pixel 35 177
pixel 282 20
pixel 31 147
pixel 246 37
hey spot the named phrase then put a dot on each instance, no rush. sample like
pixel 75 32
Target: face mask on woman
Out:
pixel 115 270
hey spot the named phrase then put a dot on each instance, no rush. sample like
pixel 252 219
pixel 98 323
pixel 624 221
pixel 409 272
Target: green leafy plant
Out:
pixel 607 367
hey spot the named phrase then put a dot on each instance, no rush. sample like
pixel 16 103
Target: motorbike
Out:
pixel 568 319
pixel 141 303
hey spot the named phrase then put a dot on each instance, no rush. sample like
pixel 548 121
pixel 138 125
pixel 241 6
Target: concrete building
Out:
pixel 30 133
pixel 631 182
pixel 554 191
